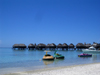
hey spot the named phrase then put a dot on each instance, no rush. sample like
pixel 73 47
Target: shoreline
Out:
pixel 87 69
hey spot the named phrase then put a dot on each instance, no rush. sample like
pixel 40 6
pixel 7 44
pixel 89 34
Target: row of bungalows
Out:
pixel 53 46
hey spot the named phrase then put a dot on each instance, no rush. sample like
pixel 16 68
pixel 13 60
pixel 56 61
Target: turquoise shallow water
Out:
pixel 26 60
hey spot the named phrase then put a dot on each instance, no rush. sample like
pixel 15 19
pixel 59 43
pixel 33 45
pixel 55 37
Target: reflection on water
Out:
pixel 94 57
pixel 21 50
pixel 56 61
pixel 85 57
pixel 47 62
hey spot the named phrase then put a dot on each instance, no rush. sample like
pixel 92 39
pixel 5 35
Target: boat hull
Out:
pixel 91 51
pixel 58 56
pixel 62 57
pixel 84 55
pixel 48 58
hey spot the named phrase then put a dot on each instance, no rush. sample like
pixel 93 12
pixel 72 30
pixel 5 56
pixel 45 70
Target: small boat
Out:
pixel 85 55
pixel 91 50
pixel 47 56
pixel 58 56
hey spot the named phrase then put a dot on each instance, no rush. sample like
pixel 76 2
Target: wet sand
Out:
pixel 84 69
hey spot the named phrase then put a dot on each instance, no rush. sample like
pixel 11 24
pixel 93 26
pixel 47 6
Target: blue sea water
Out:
pixel 26 60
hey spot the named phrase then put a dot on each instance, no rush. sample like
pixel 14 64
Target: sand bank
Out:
pixel 85 69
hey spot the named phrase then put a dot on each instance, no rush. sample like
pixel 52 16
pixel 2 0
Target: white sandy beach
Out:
pixel 86 69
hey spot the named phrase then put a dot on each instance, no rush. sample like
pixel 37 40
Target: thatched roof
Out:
pixel 31 45
pixel 80 45
pixel 22 46
pixel 71 45
pixel 41 45
pixel 52 45
pixel 88 45
pixel 59 45
pixel 96 45
pixel 15 45
pixel 19 46
pixel 64 45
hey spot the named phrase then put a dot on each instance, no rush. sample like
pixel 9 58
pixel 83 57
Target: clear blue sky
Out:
pixel 49 21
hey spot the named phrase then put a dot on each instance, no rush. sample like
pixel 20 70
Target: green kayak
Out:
pixel 58 56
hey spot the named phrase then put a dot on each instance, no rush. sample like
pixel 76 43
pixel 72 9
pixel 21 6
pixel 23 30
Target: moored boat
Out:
pixel 47 62
pixel 47 56
pixel 91 50
pixel 58 56
pixel 85 55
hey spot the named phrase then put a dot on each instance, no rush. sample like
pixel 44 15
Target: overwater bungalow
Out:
pixel 40 46
pixel 71 46
pixel 19 46
pixel 80 46
pixel 51 46
pixel 31 46
pixel 64 46
pixel 88 45
pixel 59 46
pixel 96 45
pixel 16 46
pixel 22 46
